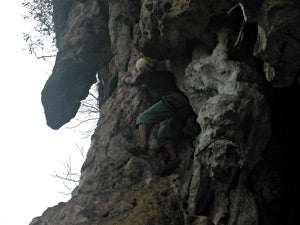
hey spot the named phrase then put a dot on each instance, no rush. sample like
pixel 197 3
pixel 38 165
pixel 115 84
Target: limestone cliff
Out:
pixel 237 61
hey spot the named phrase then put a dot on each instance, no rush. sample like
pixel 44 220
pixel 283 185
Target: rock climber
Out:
pixel 170 109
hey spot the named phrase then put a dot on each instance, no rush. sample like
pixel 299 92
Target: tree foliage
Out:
pixel 41 40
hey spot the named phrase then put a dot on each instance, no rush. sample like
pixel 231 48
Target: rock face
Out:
pixel 230 58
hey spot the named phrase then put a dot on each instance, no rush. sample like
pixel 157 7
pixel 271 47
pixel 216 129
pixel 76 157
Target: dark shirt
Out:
pixel 158 83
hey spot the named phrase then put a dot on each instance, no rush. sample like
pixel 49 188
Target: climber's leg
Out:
pixel 144 131
pixel 173 161
pixel 169 133
pixel 170 149
pixel 145 121
pixel 142 147
pixel 154 114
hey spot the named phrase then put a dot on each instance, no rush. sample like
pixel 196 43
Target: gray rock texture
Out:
pixel 237 63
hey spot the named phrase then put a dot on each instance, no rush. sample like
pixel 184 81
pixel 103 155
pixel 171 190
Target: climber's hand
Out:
pixel 129 79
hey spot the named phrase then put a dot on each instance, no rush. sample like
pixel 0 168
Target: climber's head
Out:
pixel 144 64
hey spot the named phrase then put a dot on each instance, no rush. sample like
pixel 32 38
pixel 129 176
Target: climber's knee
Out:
pixel 154 114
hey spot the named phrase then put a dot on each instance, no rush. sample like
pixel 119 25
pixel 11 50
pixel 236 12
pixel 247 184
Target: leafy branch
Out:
pixel 40 41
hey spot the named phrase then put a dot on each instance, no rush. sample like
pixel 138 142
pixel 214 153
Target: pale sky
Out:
pixel 30 151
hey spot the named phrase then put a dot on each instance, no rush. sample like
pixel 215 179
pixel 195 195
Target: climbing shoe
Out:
pixel 168 168
pixel 138 151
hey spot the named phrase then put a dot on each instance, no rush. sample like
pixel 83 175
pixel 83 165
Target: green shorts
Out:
pixel 171 112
